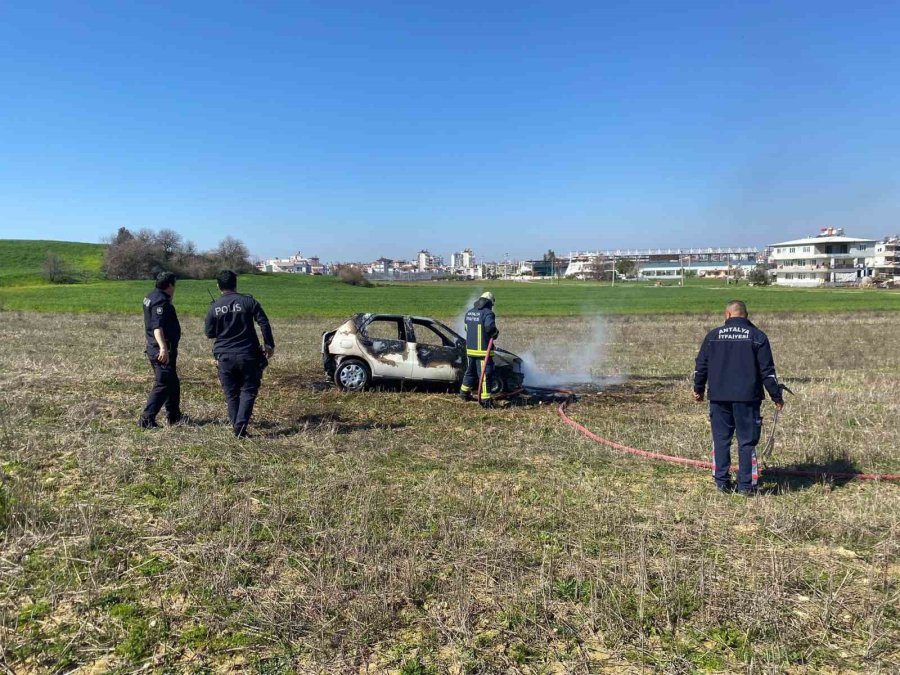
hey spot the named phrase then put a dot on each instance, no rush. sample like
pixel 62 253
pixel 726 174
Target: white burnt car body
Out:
pixel 369 347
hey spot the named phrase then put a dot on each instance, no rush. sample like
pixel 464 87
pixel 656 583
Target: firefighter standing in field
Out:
pixel 163 333
pixel 241 359
pixel 481 327
pixel 735 363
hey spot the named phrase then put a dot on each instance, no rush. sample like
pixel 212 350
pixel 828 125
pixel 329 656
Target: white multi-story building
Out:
pixel 887 258
pixel 424 261
pixel 468 258
pixel 828 258
pixel 295 264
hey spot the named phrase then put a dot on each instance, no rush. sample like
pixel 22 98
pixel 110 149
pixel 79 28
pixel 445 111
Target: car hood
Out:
pixel 503 357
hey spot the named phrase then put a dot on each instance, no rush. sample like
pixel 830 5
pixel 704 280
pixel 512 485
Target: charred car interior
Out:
pixel 395 347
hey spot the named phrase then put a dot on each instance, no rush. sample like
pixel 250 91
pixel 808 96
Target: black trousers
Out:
pixel 166 390
pixel 728 418
pixel 240 376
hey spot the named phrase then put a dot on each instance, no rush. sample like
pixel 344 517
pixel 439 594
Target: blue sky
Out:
pixel 360 129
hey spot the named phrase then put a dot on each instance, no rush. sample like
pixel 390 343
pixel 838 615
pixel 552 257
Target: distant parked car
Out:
pixel 370 347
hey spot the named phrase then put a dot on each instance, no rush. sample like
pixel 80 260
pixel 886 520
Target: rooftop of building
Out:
pixel 836 239
pixel 827 235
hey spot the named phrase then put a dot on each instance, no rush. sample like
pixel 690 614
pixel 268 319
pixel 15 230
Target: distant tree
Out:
pixel 353 276
pixel 135 258
pixel 598 269
pixel 759 276
pixel 234 255
pixel 142 254
pixel 625 267
pixel 550 256
pixel 169 243
pixel 57 271
pixel 123 235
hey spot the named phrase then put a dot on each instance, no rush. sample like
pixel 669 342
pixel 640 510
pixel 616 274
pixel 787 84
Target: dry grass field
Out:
pixel 409 532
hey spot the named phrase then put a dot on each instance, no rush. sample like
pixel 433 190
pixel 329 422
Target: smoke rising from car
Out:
pixel 459 323
pixel 571 362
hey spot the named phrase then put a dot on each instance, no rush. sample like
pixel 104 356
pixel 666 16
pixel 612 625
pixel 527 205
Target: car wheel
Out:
pixel 352 375
pixel 499 384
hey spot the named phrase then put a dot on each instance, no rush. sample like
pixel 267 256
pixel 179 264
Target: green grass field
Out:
pixel 295 296
pixel 409 532
pixel 290 296
pixel 21 260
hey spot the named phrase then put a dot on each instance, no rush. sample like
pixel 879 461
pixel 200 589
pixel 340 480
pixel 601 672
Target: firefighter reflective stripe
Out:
pixel 754 469
pixel 485 392
pixel 472 378
pixel 482 347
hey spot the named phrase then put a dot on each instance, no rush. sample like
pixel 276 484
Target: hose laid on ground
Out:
pixel 700 464
pixel 657 456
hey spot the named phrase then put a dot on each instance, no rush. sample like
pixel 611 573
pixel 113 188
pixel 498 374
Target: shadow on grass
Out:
pixel 329 422
pixel 538 398
pixel 786 479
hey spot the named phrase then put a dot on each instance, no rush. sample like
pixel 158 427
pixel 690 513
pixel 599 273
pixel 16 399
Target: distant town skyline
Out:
pixel 356 130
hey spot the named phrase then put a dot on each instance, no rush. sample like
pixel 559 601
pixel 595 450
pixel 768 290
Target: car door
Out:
pixel 438 356
pixel 383 339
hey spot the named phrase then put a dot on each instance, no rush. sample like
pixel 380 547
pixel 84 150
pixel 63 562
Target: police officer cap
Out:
pixel 487 295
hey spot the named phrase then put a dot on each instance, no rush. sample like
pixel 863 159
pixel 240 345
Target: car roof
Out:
pixel 385 315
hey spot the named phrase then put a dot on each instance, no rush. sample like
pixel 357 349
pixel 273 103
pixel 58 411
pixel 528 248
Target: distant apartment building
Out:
pixel 382 266
pixel 468 258
pixel 295 264
pixel 830 257
pixel 886 261
pixel 425 262
pixel 462 259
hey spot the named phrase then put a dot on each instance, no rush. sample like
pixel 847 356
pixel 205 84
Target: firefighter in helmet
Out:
pixel 481 327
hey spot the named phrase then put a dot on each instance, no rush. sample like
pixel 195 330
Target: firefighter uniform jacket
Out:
pixel 159 312
pixel 481 326
pixel 736 361
pixel 229 322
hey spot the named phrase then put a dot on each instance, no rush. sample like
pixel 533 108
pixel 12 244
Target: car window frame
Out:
pixel 448 342
pixel 399 320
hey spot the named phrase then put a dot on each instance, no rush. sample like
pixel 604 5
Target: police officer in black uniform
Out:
pixel 236 348
pixel 481 327
pixel 735 363
pixel 163 332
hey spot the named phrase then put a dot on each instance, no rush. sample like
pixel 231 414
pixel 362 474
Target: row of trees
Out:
pixel 145 253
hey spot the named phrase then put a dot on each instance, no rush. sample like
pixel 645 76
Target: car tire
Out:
pixel 352 375
pixel 499 384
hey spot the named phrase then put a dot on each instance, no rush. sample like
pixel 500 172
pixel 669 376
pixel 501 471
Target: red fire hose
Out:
pixel 487 355
pixel 671 459
pixel 699 464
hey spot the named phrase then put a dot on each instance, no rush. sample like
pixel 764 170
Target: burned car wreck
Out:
pixel 370 347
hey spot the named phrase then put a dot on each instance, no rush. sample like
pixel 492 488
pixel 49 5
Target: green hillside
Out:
pixel 21 260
